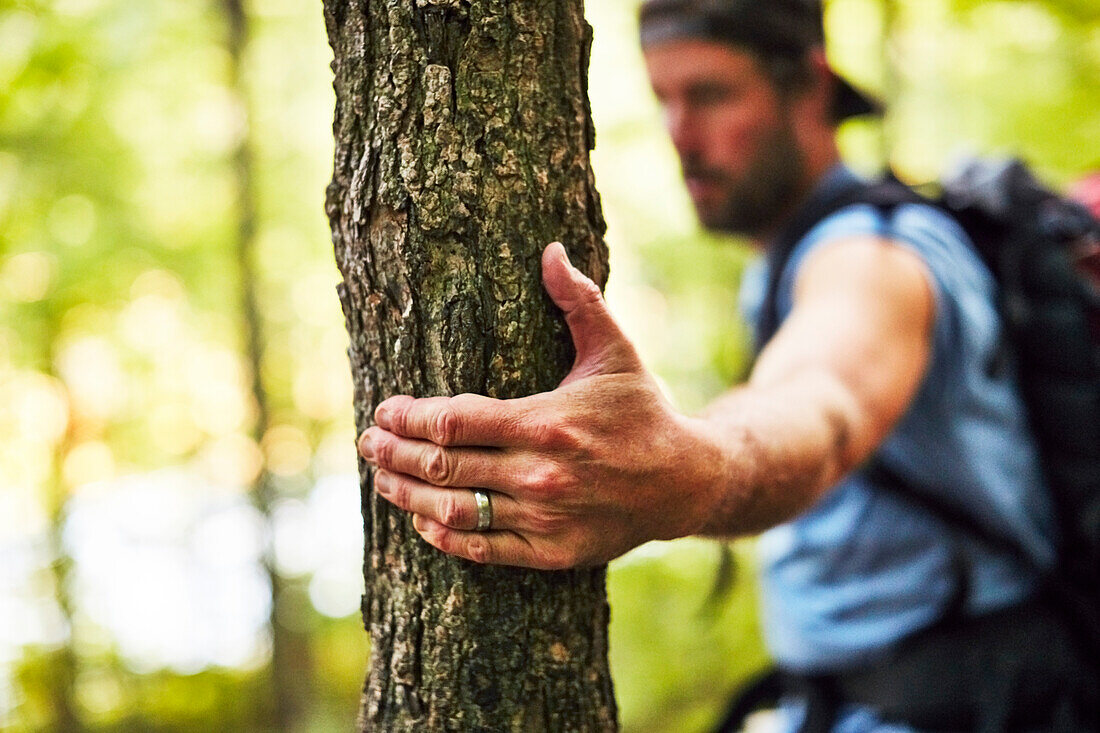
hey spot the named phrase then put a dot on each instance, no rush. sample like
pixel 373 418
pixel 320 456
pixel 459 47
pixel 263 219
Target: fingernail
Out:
pixel 382 417
pixel 418 523
pixel 366 447
pixel 569 263
pixel 382 482
pixel 562 254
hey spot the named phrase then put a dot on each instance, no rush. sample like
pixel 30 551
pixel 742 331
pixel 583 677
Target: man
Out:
pixel 888 330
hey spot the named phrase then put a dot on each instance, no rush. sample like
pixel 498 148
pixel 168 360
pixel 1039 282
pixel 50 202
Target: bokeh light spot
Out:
pixel 287 450
pixel 233 461
pixel 87 463
pixel 158 282
pixel 72 220
pixel 26 277
pixel 95 378
pixel 33 407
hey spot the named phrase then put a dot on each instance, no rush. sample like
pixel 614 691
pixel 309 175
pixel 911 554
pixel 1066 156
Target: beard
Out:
pixel 755 202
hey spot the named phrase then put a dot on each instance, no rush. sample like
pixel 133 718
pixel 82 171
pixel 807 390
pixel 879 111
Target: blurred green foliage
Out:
pixel 121 337
pixel 114 698
pixel 677 652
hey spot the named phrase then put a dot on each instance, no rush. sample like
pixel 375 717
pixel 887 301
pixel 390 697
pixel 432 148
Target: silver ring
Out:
pixel 484 511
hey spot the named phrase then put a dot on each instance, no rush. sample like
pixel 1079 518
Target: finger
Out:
pixel 455 508
pixel 601 346
pixel 440 466
pixel 488 548
pixel 466 419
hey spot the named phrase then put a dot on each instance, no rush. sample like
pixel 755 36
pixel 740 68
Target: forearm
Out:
pixel 584 473
pixel 782 447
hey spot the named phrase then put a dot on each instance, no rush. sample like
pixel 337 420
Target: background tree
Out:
pixel 290 649
pixel 462 139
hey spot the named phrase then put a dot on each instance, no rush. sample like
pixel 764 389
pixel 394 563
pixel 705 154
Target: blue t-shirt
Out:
pixel 862 568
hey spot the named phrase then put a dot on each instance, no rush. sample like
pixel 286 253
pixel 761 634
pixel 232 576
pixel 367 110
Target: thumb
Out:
pixel 601 346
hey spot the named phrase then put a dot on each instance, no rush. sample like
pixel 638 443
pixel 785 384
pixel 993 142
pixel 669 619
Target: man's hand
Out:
pixel 576 476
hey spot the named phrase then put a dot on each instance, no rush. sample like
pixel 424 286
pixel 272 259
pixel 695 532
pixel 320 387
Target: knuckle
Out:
pixel 465 401
pixel 400 492
pixel 560 558
pixel 438 466
pixel 557 436
pixel 397 414
pixel 589 293
pixel 541 480
pixel 478 549
pixel 540 433
pixel 546 522
pixel 445 426
pixel 547 434
pixel 451 513
pixel 549 480
pixel 384 449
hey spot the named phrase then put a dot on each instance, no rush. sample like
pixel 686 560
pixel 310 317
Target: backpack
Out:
pixel 1030 238
pixel 1034 242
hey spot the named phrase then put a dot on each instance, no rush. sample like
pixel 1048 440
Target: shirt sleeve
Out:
pixel 967 327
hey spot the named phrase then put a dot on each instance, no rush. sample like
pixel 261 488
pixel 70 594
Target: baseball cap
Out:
pixel 770 28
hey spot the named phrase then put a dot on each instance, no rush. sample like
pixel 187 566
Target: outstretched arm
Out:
pixel 603 463
pixel 829 386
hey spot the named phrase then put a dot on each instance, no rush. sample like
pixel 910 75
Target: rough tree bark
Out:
pixel 462 138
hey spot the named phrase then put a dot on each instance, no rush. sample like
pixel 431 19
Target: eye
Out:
pixel 710 94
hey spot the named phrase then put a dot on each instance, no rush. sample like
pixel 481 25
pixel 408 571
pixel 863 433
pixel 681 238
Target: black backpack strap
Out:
pixel 956 518
pixel 885 195
pixel 761 692
pixel 1012 669
pixel 1074 600
pixel 960 523
pixel 819 693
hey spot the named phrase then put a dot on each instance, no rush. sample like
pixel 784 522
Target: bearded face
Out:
pixel 751 200
pixel 733 131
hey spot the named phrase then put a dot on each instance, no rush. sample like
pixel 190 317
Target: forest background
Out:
pixel 162 242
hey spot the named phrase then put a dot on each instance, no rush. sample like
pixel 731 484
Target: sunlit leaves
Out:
pixel 121 348
pixel 121 359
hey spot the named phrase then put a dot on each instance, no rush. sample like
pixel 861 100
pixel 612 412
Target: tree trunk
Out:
pixel 65 663
pixel 462 139
pixel 290 650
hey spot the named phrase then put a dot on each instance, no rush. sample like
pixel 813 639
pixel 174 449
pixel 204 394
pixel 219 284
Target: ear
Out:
pixel 819 97
pixel 810 108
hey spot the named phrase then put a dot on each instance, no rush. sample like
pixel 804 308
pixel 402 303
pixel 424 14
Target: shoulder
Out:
pixel 886 252
pixel 865 264
pixel 923 231
pixel 882 291
pixel 922 226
